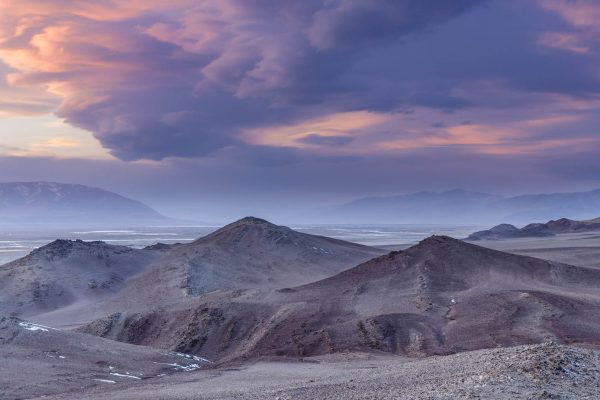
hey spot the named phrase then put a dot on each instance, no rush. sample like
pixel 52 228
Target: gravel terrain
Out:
pixel 38 360
pixel 546 371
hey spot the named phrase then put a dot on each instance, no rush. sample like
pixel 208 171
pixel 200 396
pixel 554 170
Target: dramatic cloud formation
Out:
pixel 264 85
pixel 156 79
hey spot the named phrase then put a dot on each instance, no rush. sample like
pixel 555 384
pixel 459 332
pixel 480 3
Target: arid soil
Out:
pixel 38 360
pixel 546 371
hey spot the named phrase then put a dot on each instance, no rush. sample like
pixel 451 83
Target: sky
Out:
pixel 224 108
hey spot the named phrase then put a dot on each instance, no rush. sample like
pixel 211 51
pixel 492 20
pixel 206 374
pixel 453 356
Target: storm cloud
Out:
pixel 156 79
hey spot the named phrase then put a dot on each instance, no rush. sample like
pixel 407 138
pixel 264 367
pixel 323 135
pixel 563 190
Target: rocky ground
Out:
pixel 546 371
pixel 37 360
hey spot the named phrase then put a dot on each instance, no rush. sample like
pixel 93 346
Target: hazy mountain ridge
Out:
pixel 464 207
pixel 50 203
pixel 550 228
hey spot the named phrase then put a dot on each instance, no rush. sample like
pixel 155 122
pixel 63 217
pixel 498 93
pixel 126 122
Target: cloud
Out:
pixel 15 101
pixel 156 79
pixel 321 140
pixel 564 41
pixel 356 22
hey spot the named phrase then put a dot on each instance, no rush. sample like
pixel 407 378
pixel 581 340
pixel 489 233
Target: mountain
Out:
pixel 577 205
pixel 38 361
pixel 70 282
pixel 422 207
pixel 48 203
pixel 253 252
pixel 464 207
pixel 438 297
pixel 249 253
pixel 550 228
pixel 65 273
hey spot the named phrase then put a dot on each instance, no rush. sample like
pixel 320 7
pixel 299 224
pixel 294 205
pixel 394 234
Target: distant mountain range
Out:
pixel 550 228
pixel 49 203
pixel 465 207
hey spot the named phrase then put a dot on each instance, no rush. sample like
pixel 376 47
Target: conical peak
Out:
pixel 436 240
pixel 247 222
pixel 60 245
pixel 241 228
pixel 63 247
pixel 251 221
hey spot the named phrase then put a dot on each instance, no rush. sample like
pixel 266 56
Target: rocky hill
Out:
pixel 550 228
pixel 249 253
pixel 69 282
pixel 441 296
pixel 68 272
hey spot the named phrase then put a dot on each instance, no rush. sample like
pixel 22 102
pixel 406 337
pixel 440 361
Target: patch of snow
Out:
pixel 62 357
pixel 186 368
pixel 30 326
pixel 189 368
pixel 125 376
pixel 104 380
pixel 453 301
pixel 195 358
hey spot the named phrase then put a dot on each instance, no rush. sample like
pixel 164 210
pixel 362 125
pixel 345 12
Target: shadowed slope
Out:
pixel 40 361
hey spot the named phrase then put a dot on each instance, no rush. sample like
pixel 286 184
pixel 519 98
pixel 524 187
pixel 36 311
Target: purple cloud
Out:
pixel 189 79
pixel 156 81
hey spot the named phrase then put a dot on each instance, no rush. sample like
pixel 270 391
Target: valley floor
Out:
pixel 546 371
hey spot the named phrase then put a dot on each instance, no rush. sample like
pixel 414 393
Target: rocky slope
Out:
pixel 550 228
pixel 249 253
pixel 40 361
pixel 71 282
pixel 441 296
pixel 67 272
pixel 546 371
